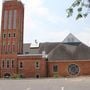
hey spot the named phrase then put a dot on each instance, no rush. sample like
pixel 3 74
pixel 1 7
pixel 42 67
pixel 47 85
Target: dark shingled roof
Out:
pixel 67 50
pixel 47 47
pixel 26 48
pixel 70 52
pixel 59 53
pixel 82 52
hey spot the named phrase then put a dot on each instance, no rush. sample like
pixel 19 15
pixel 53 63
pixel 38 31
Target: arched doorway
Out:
pixel 37 76
pixel 7 75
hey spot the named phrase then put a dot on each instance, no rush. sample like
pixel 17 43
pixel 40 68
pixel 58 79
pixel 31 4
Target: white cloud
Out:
pixel 36 3
pixel 37 8
pixel 58 36
pixel 55 36
pixel 84 36
pixel 46 35
pixel 41 11
pixel 34 29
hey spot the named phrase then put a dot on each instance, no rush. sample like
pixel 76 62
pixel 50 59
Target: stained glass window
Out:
pixel 73 69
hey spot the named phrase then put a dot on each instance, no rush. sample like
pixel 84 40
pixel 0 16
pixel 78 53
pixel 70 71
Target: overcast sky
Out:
pixel 46 21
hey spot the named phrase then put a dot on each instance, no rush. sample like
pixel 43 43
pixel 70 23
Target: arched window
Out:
pixel 5 19
pixel 20 65
pixel 3 63
pixel 8 48
pixel 37 64
pixel 10 20
pixel 4 49
pixel 14 19
pixel 12 63
pixel 8 63
pixel 4 35
pixel 55 68
pixel 13 47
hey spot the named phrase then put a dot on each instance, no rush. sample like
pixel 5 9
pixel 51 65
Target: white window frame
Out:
pixel 13 63
pixel 38 64
pixel 7 64
pixel 22 64
pixel 53 68
pixel 2 66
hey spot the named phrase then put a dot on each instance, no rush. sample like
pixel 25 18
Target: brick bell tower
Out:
pixel 11 38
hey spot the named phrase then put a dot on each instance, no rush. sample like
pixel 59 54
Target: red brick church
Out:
pixel 58 59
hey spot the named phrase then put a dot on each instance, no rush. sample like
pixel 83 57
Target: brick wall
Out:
pixel 29 69
pixel 63 68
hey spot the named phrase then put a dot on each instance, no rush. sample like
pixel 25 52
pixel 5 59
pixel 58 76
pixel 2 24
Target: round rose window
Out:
pixel 73 69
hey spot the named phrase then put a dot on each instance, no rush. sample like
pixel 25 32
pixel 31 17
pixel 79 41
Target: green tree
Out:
pixel 81 6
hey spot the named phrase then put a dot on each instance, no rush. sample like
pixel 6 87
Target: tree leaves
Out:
pixel 85 15
pixel 79 5
pixel 79 9
pixel 76 3
pixel 69 12
pixel 79 16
